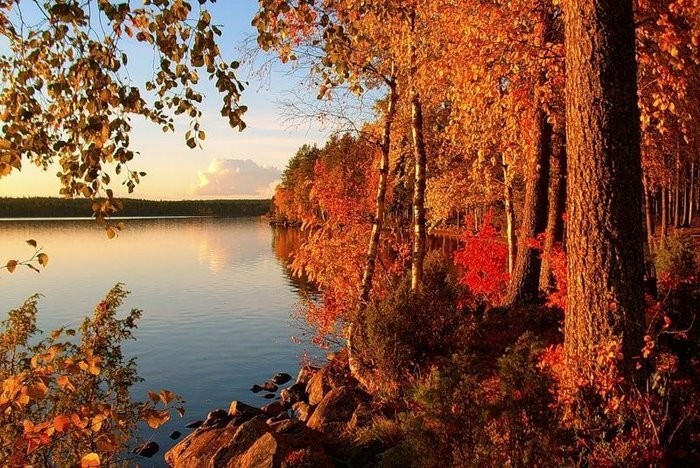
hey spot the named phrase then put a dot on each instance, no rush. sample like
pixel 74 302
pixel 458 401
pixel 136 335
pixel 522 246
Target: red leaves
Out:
pixel 484 259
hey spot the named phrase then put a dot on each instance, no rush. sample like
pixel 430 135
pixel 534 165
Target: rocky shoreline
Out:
pixel 313 423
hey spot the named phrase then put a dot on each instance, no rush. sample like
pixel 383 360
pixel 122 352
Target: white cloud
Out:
pixel 236 178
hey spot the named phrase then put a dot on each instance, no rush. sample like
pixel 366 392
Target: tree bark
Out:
pixel 664 217
pixel 554 232
pixel 677 190
pixel 691 201
pixel 510 214
pixel 420 157
pixel 378 221
pixel 524 281
pixel 605 232
pixel 648 216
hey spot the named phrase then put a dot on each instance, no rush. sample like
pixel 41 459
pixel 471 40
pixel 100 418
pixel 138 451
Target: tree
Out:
pixel 604 234
pixel 67 97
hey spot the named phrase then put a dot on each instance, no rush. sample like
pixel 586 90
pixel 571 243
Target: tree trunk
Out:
pixel 684 216
pixel 419 154
pixel 524 282
pixel 555 218
pixel 691 201
pixel 510 213
pixel 664 217
pixel 677 190
pixel 605 232
pixel 381 197
pixel 648 216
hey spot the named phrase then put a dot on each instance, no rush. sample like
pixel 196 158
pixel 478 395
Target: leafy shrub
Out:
pixel 676 260
pixel 405 333
pixel 65 397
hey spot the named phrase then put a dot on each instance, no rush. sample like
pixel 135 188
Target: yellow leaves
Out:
pixel 43 259
pixel 97 421
pixel 111 233
pixel 90 363
pixel 155 418
pixel 90 460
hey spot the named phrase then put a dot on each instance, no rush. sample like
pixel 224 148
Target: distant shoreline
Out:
pixel 35 208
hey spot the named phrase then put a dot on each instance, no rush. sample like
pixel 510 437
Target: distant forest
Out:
pixel 51 207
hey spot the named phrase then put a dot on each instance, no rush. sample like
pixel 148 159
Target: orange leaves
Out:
pixel 90 460
pixel 61 423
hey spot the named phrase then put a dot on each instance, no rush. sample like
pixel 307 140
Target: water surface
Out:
pixel 215 293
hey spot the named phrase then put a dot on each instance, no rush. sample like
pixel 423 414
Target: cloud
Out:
pixel 236 178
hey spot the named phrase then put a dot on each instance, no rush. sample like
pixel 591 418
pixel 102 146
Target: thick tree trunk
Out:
pixel 525 278
pixel 510 214
pixel 524 281
pixel 677 191
pixel 373 247
pixel 664 217
pixel 648 216
pixel 555 218
pixel 604 198
pixel 684 216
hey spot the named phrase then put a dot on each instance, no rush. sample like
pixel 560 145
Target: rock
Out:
pixel 280 417
pixel 305 374
pixel 287 426
pixel 194 424
pixel 317 387
pixel 245 437
pixel 335 374
pixel 147 449
pixel 302 410
pixel 240 412
pixel 217 418
pixel 274 408
pixel 264 453
pixel 361 417
pixel 256 388
pixel 296 392
pixel 281 378
pixel 335 411
pixel 269 386
pixel 269 396
pixel 202 447
pixel 175 435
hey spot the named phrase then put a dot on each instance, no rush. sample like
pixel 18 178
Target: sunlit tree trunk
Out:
pixel 692 199
pixel 684 216
pixel 525 278
pixel 664 217
pixel 555 218
pixel 649 218
pixel 420 157
pixel 510 213
pixel 604 197
pixel 677 190
pixel 373 248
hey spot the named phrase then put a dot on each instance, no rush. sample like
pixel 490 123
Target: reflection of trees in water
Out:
pixel 285 241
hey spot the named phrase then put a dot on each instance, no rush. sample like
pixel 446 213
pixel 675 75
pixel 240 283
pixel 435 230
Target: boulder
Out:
pixel 240 412
pixel 264 453
pixel 241 440
pixel 361 417
pixel 196 449
pixel 256 388
pixel 274 408
pixel 217 418
pixel 281 378
pixel 175 435
pixel 269 396
pixel 302 410
pixel 269 386
pixel 147 449
pixel 305 374
pixel 334 412
pixel 296 392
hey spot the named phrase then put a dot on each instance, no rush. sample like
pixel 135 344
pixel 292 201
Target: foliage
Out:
pixel 38 257
pixel 676 261
pixel 67 96
pixel 405 333
pixel 484 261
pixel 65 395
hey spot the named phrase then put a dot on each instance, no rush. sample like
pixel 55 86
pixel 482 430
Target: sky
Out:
pixel 232 164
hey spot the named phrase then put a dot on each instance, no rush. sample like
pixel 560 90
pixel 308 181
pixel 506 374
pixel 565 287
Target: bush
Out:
pixel 65 397
pixel 406 333
pixel 676 260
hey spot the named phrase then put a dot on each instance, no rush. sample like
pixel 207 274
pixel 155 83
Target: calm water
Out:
pixel 215 294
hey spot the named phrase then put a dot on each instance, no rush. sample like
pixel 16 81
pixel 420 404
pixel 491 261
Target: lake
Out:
pixel 216 295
